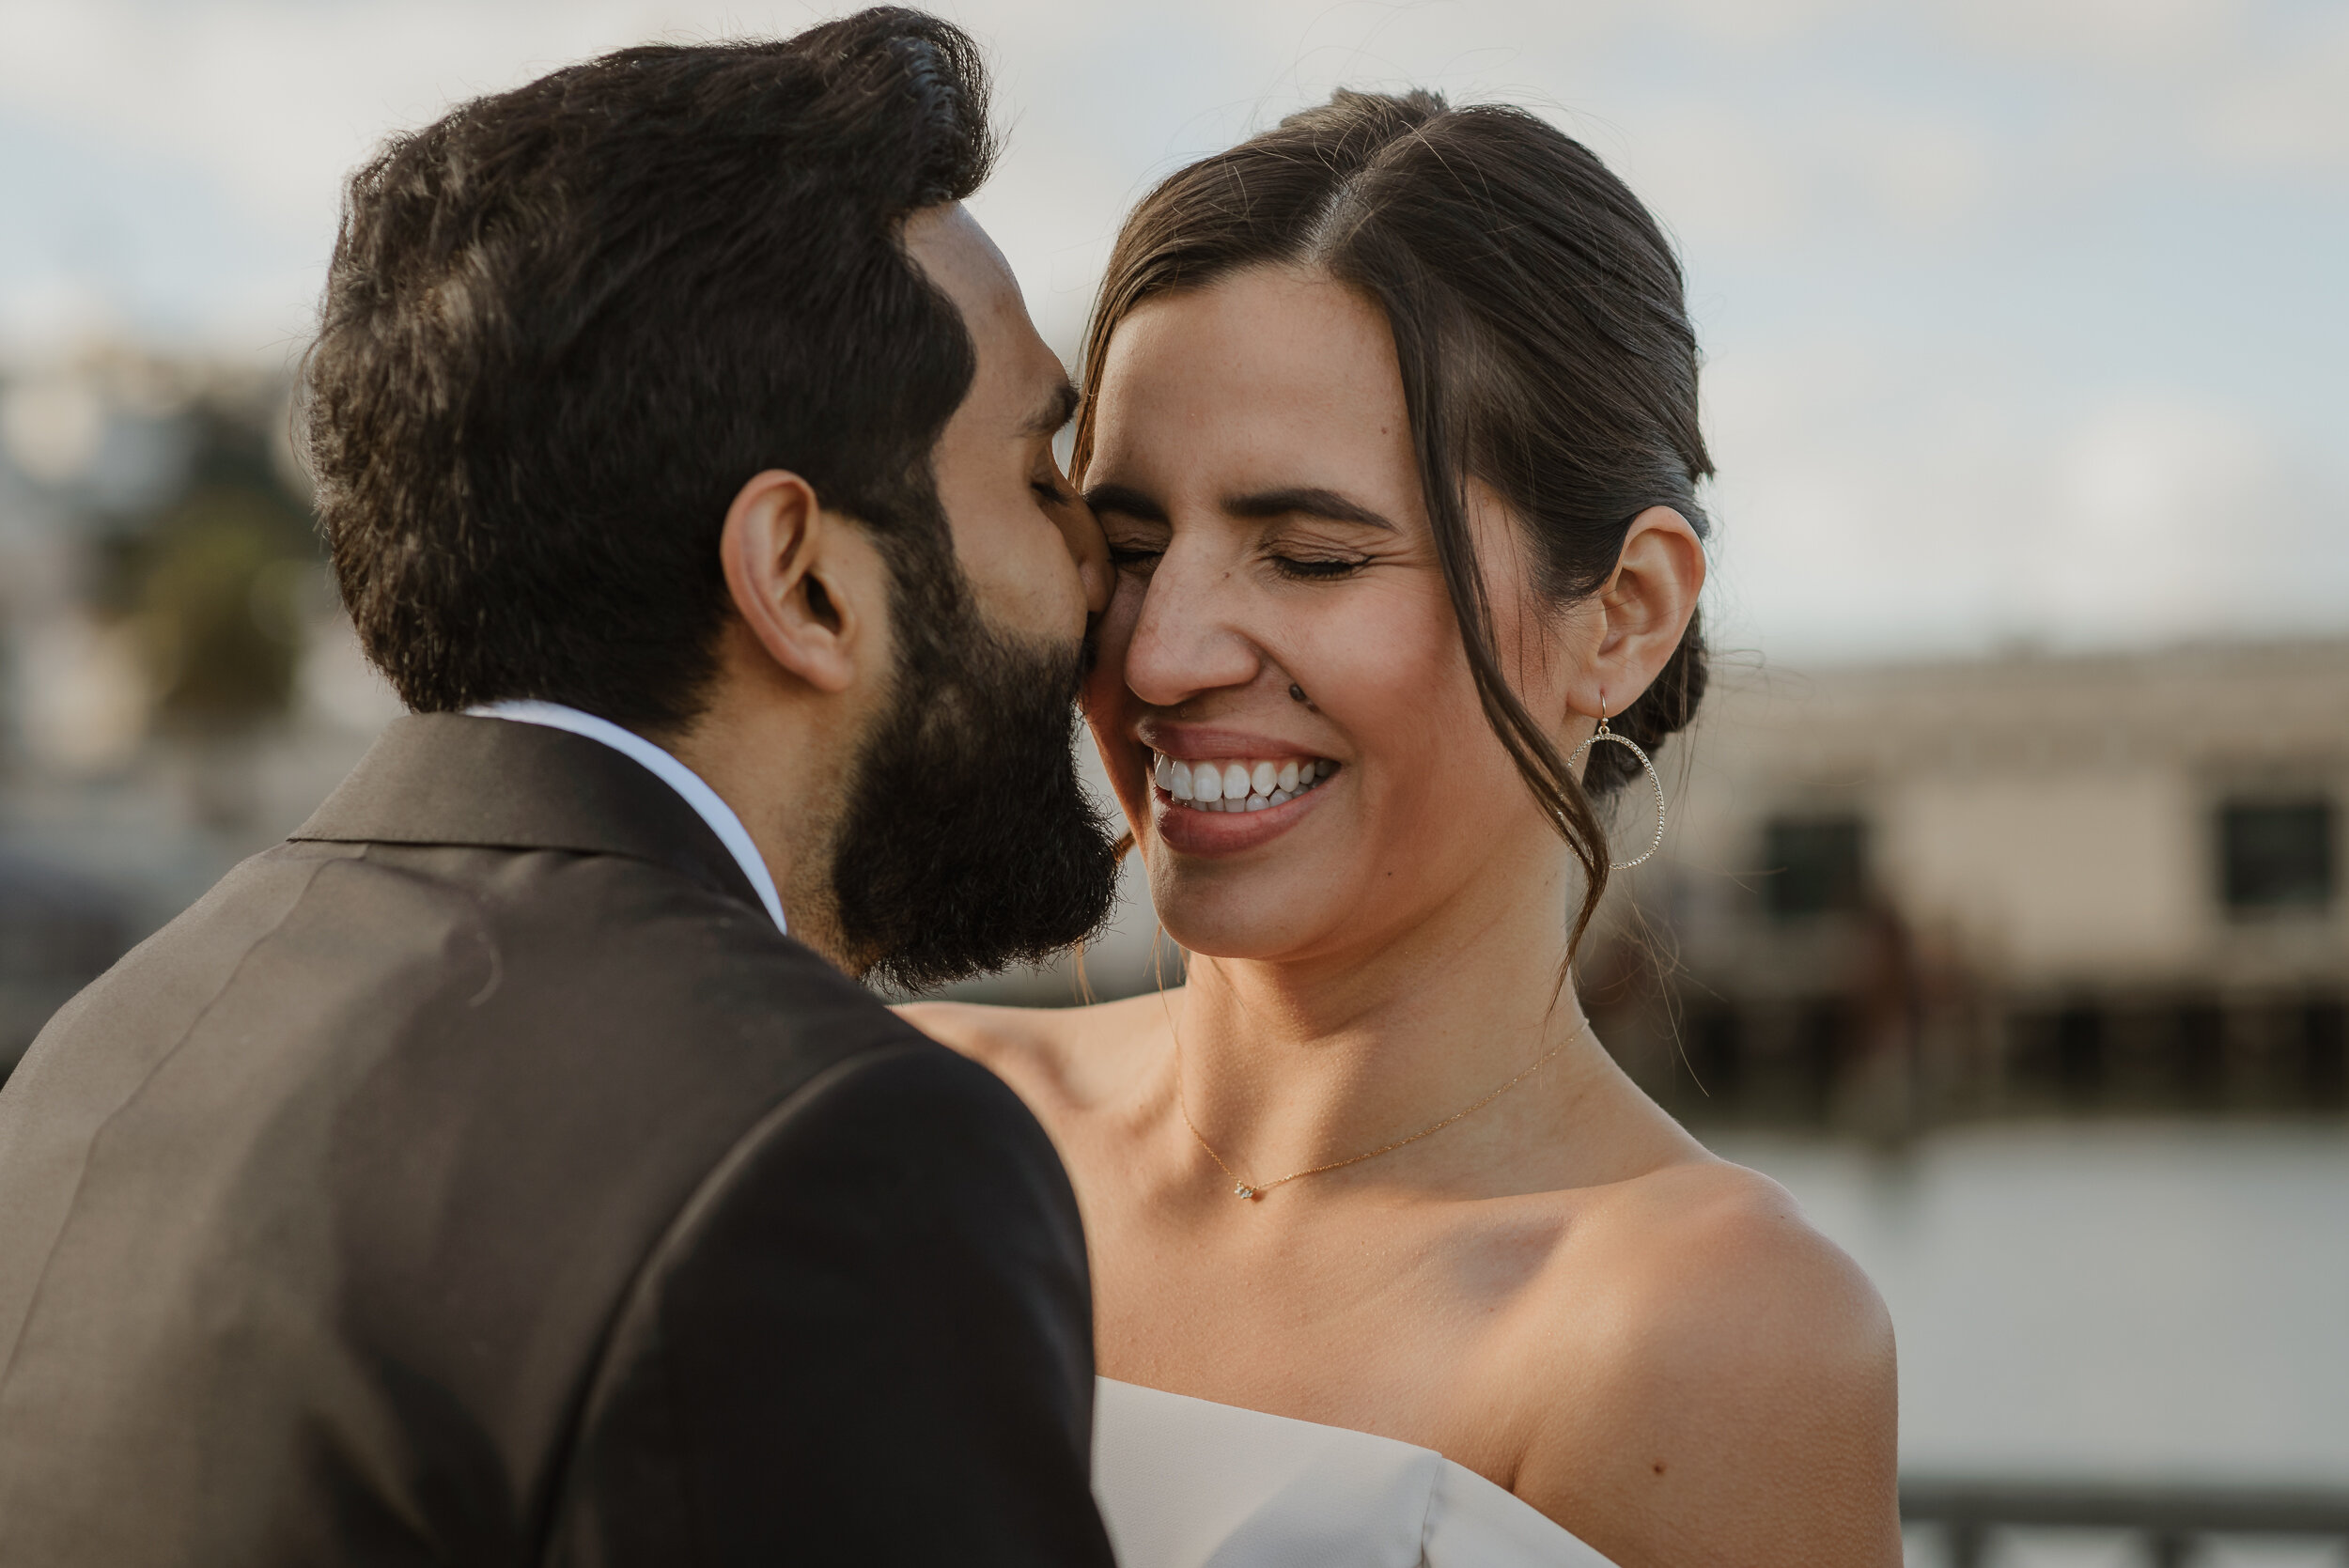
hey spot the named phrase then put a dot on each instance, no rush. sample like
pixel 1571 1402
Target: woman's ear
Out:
pixel 1645 605
pixel 801 579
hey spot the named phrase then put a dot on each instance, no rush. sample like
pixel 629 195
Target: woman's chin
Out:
pixel 1239 885
pixel 1238 929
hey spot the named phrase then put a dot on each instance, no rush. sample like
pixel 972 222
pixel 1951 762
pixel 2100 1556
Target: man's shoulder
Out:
pixel 524 1038
pixel 451 1111
pixel 904 1123
pixel 583 1012
pixel 631 980
pixel 571 930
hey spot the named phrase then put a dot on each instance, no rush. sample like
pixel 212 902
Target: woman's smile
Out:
pixel 1242 815
pixel 1215 791
pixel 1241 785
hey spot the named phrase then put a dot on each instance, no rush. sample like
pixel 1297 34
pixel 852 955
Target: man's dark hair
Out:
pixel 565 324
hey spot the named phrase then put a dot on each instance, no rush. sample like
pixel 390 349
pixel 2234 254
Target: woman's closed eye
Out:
pixel 1306 551
pixel 1316 569
pixel 1135 551
pixel 1141 554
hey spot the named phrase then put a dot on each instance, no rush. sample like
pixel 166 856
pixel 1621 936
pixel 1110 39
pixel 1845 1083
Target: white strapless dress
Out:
pixel 1187 1482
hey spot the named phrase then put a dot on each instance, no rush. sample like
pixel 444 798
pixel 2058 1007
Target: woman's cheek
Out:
pixel 1390 682
pixel 1108 705
pixel 1113 636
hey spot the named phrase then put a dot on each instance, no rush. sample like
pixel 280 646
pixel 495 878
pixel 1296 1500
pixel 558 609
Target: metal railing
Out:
pixel 2170 1521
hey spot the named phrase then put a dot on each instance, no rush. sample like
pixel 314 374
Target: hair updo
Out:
pixel 1545 346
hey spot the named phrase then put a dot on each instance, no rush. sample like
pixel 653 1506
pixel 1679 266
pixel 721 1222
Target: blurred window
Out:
pixel 1813 865
pixel 2276 854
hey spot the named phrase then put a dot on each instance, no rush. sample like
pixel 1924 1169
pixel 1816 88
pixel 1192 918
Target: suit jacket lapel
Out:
pixel 448 778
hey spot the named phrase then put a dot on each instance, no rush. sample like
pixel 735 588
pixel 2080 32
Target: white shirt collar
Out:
pixel 672 772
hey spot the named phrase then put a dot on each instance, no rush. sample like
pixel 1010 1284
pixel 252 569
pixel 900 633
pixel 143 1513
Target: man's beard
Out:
pixel 966 843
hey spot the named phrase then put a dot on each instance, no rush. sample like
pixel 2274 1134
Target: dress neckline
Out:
pixel 1251 1412
pixel 1519 1518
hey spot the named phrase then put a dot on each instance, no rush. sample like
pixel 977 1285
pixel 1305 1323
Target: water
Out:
pixel 2142 1302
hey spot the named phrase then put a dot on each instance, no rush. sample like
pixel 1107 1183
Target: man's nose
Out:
pixel 1090 550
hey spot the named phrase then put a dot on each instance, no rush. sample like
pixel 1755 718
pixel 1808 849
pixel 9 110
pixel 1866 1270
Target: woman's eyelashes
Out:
pixel 1304 550
pixel 1316 569
pixel 1141 556
pixel 1136 552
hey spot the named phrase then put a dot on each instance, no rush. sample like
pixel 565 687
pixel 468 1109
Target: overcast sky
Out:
pixel 2024 318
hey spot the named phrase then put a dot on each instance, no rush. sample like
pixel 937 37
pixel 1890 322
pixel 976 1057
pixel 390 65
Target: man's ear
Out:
pixel 1646 605
pixel 797 575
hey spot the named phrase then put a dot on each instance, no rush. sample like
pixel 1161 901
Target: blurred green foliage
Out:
pixel 214 578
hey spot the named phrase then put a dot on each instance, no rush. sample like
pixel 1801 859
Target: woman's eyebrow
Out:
pixel 1305 503
pixel 1126 502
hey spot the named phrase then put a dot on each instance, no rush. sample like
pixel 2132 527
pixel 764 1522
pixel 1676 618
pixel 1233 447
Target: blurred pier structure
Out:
pixel 1968 1525
pixel 1901 896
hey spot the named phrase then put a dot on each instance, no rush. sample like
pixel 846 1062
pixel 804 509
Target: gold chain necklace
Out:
pixel 1244 1189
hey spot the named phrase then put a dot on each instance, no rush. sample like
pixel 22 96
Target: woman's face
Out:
pixel 1253 469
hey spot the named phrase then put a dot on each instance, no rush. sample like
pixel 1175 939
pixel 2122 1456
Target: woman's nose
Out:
pixel 1188 637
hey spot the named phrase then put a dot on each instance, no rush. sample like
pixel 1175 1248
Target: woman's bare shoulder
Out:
pixel 1718 1381
pixel 1053 1056
pixel 1709 1245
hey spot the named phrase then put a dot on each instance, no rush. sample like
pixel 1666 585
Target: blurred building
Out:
pixel 1905 894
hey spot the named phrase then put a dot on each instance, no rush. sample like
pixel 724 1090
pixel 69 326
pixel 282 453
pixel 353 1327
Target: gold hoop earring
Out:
pixel 1603 732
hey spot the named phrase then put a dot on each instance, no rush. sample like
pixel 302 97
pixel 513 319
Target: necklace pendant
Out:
pixel 1243 1191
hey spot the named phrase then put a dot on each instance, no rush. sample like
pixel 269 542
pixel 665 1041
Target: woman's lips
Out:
pixel 1230 823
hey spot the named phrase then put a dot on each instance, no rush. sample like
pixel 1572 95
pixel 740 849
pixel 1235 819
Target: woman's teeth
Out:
pixel 1242 784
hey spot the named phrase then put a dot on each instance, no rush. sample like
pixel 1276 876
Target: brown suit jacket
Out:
pixel 480 1177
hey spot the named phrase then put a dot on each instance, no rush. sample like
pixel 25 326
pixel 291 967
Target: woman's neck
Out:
pixel 1289 1064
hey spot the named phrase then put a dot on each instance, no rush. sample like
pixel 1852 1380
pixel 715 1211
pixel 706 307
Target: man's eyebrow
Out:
pixel 1126 502
pixel 1057 411
pixel 1305 503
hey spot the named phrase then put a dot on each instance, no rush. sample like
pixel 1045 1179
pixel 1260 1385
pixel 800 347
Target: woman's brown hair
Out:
pixel 1545 349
